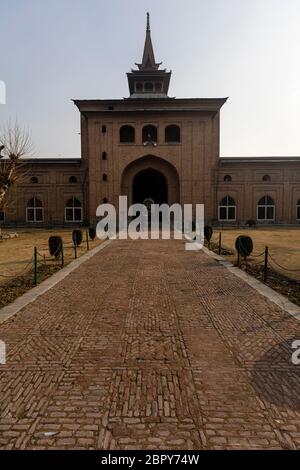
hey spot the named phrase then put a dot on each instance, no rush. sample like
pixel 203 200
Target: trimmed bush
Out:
pixel 208 232
pixel 244 245
pixel 55 245
pixel 77 237
pixel 92 233
pixel 251 223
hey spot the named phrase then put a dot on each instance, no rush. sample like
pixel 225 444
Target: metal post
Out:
pixel 220 243
pixel 62 255
pixel 75 250
pixel 266 264
pixel 87 240
pixel 35 260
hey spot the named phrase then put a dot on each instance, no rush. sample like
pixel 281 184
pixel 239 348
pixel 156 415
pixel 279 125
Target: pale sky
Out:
pixel 248 50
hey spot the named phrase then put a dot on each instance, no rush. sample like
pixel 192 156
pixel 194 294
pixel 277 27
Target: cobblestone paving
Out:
pixel 150 346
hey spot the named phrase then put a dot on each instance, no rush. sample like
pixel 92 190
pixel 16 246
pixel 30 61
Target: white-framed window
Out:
pixel 298 210
pixel 266 209
pixel 227 209
pixel 34 210
pixel 73 210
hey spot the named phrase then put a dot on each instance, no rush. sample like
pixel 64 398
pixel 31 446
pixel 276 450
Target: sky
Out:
pixel 247 50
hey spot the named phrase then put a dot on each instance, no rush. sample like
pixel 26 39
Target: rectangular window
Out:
pixel 30 214
pixel 261 213
pixel 73 214
pixel 222 213
pixel 69 215
pixel 270 213
pixel 78 214
pixel 39 215
pixel 2 216
pixel 231 213
pixel 34 214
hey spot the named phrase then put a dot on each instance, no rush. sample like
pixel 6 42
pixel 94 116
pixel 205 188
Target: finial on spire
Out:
pixel 148 62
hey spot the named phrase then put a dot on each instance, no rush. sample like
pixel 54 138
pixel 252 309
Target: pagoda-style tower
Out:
pixel 148 81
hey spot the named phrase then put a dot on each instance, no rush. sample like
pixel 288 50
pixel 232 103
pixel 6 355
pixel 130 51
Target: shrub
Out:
pixel 92 233
pixel 55 245
pixel 77 237
pixel 251 223
pixel 244 245
pixel 208 232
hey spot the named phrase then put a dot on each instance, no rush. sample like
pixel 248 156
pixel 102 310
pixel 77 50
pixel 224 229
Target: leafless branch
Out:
pixel 15 144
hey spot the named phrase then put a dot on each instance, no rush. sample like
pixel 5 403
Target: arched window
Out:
pixel 149 134
pixel 34 210
pixel 103 129
pixel 72 179
pixel 105 200
pixel 104 156
pixel 149 86
pixel 298 210
pixel 227 209
pixel 104 177
pixel 266 209
pixel 227 178
pixel 266 178
pixel 172 133
pixel 127 134
pixel 73 210
pixel 34 180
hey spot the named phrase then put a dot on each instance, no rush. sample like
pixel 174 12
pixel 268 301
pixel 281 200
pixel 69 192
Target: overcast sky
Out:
pixel 248 50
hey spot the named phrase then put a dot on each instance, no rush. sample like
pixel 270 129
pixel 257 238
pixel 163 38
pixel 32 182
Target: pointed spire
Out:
pixel 148 62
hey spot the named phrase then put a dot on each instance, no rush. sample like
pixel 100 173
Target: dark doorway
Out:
pixel 148 185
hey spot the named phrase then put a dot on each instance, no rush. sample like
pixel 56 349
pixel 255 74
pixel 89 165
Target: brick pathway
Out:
pixel 149 346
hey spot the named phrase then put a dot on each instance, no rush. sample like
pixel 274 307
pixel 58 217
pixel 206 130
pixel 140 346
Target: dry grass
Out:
pixel 283 243
pixel 16 253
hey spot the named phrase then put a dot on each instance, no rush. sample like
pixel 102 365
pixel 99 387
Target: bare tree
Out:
pixel 15 144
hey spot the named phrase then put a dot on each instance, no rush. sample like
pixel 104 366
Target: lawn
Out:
pixel 16 253
pixel 283 243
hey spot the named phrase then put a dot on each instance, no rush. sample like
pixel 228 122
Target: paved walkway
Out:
pixel 149 346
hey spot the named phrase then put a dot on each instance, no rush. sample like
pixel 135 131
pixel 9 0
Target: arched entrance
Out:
pixel 150 186
pixel 150 178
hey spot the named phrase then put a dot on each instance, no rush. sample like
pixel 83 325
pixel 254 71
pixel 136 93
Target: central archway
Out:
pixel 150 178
pixel 150 185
